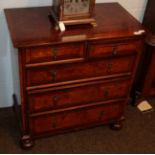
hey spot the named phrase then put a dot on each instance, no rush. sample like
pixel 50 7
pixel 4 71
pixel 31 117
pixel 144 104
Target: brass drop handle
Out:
pixel 109 67
pixel 53 74
pixel 54 123
pixel 56 100
pixel 106 94
pixel 55 52
pixel 102 113
pixel 114 52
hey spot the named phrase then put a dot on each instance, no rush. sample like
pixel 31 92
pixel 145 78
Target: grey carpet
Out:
pixel 137 136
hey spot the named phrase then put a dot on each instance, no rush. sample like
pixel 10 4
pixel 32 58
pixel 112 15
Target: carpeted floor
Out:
pixel 137 136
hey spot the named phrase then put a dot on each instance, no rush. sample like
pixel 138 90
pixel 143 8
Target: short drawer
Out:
pixel 79 95
pixel 54 53
pixel 78 71
pixel 111 50
pixel 75 118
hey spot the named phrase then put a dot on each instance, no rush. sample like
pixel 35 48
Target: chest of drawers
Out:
pixel 149 83
pixel 144 85
pixel 75 79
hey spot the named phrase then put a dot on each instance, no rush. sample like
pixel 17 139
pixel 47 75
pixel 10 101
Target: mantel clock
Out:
pixel 71 12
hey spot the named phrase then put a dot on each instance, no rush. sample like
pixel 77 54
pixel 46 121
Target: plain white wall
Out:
pixel 135 7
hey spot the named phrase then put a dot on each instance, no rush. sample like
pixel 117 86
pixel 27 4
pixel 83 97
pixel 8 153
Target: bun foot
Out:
pixel 116 126
pixel 26 142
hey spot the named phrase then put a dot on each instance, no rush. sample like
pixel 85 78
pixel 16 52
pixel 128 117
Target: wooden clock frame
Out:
pixel 58 14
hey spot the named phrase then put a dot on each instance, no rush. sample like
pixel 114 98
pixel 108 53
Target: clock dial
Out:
pixel 75 7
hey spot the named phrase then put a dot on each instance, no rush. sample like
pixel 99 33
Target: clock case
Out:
pixel 57 13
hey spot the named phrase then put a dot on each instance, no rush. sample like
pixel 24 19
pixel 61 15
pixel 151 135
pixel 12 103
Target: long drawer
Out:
pixel 98 114
pixel 70 72
pixel 72 96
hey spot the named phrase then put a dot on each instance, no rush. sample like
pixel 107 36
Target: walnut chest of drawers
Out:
pixel 144 85
pixel 75 79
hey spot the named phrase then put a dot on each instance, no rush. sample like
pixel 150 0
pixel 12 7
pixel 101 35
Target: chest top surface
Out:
pixel 33 27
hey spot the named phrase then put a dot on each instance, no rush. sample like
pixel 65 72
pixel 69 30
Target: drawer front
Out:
pixel 75 118
pixel 78 96
pixel 54 53
pixel 71 72
pixel 108 50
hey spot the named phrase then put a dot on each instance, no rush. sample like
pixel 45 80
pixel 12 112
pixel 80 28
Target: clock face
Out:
pixel 75 7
